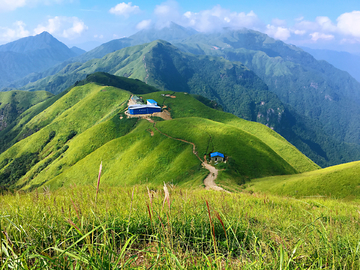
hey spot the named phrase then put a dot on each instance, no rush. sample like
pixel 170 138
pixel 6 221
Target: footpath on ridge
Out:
pixel 209 181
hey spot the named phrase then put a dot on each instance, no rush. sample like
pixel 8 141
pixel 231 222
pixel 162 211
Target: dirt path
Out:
pixel 209 181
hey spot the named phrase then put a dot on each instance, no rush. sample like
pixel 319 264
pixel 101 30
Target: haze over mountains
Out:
pixel 32 54
pixel 342 60
pixel 309 102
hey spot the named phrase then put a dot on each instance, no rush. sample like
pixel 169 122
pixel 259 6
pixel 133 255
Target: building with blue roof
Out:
pixel 217 157
pixel 151 102
pixel 143 109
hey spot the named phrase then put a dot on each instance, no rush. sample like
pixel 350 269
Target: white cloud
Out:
pixel 167 12
pixel 124 9
pixel 325 24
pixel 316 36
pixel 299 32
pixel 7 5
pixel 278 32
pixel 67 27
pixel 348 23
pixel 278 22
pixel 143 24
pixel 18 31
pixel 217 18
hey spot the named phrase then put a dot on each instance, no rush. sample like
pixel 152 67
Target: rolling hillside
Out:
pixel 232 85
pixel 338 182
pixel 86 125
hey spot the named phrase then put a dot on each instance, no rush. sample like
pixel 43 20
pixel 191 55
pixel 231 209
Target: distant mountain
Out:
pixel 341 60
pixel 31 54
pixel 319 102
pixel 77 50
pixel 162 65
pixel 172 32
pixel 315 89
pixel 237 89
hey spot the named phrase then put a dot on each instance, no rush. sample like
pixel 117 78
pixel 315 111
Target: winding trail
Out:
pixel 209 181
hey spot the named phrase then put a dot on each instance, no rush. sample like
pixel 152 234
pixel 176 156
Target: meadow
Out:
pixel 174 228
pixel 337 182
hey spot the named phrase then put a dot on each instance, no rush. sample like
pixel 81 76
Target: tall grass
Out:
pixel 194 229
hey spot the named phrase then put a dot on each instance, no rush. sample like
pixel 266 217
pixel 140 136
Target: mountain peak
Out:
pixel 43 40
pixel 170 32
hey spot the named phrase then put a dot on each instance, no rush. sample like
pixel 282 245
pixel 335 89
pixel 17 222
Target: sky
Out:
pixel 318 24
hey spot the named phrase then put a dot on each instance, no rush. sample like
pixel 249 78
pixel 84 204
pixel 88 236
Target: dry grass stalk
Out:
pixel 167 196
pixel 98 182
pixel 212 226
pixel 150 197
pixel 222 223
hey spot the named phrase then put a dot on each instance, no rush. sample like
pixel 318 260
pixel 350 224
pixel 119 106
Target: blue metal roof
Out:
pixel 151 101
pixel 217 154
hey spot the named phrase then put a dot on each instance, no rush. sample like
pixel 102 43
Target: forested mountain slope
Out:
pixel 315 89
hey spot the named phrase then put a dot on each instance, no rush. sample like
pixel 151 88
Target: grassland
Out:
pixel 62 140
pixel 338 182
pixel 186 106
pixel 191 229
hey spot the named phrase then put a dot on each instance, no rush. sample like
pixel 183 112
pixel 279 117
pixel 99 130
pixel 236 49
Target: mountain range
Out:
pixel 309 102
pixel 342 60
pixel 30 55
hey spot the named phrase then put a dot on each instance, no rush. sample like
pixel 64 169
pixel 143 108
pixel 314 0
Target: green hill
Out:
pixel 12 105
pixel 230 84
pixel 86 125
pixel 339 182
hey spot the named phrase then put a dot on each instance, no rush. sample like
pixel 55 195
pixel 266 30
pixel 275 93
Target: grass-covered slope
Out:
pixel 18 129
pixel 184 106
pixel 230 84
pixel 339 182
pixel 12 105
pixel 86 126
pixel 162 65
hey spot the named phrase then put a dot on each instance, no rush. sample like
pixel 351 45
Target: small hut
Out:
pixel 217 157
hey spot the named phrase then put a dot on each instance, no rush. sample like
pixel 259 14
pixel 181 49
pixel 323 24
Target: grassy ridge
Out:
pixel 86 125
pixel 134 158
pixel 200 230
pixel 12 105
pixel 250 155
pixel 186 106
pixel 75 112
pixel 341 182
pixel 21 99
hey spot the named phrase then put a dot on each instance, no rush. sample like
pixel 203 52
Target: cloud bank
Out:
pixel 17 31
pixel 67 27
pixel 344 30
pixel 124 9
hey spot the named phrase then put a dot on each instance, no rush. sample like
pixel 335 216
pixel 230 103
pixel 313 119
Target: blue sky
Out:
pixel 313 23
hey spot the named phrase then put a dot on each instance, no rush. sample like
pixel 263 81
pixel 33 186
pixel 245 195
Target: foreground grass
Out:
pixel 192 229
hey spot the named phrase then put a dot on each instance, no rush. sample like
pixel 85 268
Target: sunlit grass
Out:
pixel 196 229
pixel 339 182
